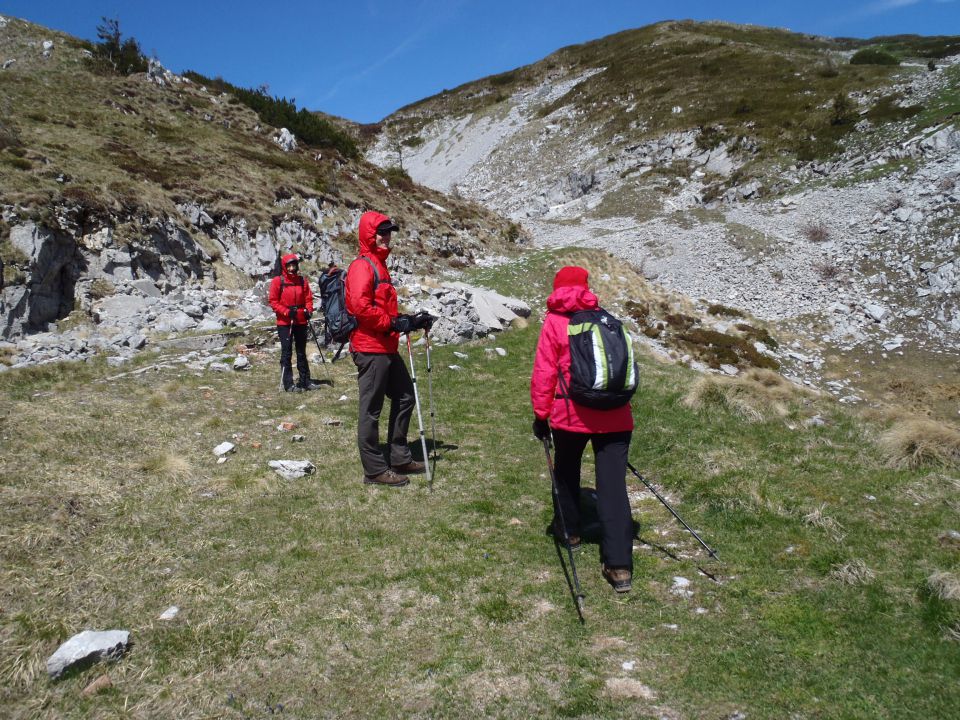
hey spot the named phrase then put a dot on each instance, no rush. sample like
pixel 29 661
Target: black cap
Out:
pixel 387 226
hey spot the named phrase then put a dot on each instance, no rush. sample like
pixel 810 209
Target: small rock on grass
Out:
pixel 292 469
pixel 224 448
pixel 286 426
pixel 101 683
pixel 90 646
pixel 298 438
pixel 170 613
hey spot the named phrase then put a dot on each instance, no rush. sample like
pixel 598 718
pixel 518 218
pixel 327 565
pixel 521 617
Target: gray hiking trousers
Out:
pixel 383 375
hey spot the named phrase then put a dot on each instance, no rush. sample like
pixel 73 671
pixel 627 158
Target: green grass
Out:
pixel 328 597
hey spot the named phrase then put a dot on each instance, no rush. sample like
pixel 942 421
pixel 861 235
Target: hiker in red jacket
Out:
pixel 574 425
pixel 292 301
pixel 372 300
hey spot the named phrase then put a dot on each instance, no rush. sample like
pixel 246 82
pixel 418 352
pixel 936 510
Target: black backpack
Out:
pixel 339 324
pixel 603 372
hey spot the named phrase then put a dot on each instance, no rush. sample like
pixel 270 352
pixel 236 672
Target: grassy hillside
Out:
pixel 123 149
pixel 778 88
pixel 836 593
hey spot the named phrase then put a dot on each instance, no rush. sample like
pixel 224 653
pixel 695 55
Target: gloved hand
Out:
pixel 423 321
pixel 293 314
pixel 307 314
pixel 541 429
pixel 402 324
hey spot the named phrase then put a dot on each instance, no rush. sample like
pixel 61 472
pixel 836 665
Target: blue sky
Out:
pixel 363 59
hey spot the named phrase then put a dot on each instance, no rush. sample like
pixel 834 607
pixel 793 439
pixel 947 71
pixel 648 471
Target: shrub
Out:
pixel 398 178
pixel 827 270
pixel 829 69
pixel 816 231
pixel 280 112
pixel 122 56
pixel 842 111
pixel 873 56
pixel 101 288
pixel 717 309
pixel 19 163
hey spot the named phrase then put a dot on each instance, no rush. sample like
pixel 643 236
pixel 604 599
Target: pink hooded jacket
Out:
pixel 553 355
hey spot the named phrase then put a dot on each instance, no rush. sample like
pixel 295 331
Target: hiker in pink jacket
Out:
pixel 574 425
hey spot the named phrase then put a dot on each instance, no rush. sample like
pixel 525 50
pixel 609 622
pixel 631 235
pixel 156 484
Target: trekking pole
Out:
pixel 578 595
pixel 416 399
pixel 710 551
pixel 313 331
pixel 433 426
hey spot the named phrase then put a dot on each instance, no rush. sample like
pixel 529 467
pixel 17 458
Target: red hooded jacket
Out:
pixel 374 311
pixel 296 292
pixel 553 356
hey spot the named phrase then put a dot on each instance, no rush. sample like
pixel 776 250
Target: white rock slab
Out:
pixel 292 469
pixel 90 646
pixel 224 448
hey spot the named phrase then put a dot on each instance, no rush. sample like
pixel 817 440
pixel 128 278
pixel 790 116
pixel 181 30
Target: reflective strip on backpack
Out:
pixel 601 372
pixel 631 365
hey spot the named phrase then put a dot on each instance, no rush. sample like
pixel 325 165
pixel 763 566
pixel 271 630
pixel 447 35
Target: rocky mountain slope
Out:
pixel 743 166
pixel 138 206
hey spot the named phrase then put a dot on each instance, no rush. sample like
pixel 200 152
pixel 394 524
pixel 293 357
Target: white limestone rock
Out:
pixel 292 469
pixel 90 646
pixel 286 140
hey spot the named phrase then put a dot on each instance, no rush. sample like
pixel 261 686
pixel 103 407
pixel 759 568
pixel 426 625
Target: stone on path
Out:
pixel 90 646
pixel 224 448
pixel 292 469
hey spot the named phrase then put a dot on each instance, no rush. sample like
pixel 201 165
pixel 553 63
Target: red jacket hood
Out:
pixel 288 277
pixel 571 299
pixel 367 234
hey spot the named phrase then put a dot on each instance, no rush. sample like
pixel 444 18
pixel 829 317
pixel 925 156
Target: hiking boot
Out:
pixel 574 539
pixel 310 385
pixel 294 389
pixel 619 578
pixel 387 477
pixel 411 467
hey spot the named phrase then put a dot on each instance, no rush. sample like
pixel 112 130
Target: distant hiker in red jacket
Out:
pixel 292 301
pixel 372 300
pixel 574 425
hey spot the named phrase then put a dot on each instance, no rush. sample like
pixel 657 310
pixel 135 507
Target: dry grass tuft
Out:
pixel 919 441
pixel 818 519
pixel 755 396
pixel 944 585
pixel 854 572
pixel 168 466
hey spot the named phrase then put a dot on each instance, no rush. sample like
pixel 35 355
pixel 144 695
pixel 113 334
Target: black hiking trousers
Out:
pixel 291 335
pixel 383 375
pixel 613 506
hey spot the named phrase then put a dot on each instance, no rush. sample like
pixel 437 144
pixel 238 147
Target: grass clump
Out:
pixel 915 442
pixel 755 396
